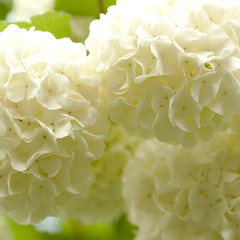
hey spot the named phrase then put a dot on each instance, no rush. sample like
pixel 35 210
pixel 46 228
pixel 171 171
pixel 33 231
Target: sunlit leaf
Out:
pixel 53 22
pixel 83 7
pixel 4 24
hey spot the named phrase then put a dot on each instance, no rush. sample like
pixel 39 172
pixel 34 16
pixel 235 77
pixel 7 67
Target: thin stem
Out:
pixel 100 6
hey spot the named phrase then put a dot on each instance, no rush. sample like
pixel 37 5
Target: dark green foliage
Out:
pixel 5 7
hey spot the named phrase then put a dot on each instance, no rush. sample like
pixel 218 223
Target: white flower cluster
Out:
pixel 104 201
pixel 173 193
pixel 172 67
pixel 52 123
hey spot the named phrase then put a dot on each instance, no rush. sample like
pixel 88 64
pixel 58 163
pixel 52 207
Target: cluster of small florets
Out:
pixel 168 70
pixel 172 72
pixel 51 121
pixel 172 67
pixel 173 193
pixel 104 201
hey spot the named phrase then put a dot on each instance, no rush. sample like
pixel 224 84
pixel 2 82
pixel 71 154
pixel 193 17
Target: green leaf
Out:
pixel 53 22
pixel 83 7
pixel 25 25
pixel 4 24
pixel 5 7
pixel 123 229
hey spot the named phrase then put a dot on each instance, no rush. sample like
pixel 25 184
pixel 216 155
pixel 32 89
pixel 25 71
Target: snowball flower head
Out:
pixel 52 124
pixel 171 67
pixel 174 193
pixel 104 201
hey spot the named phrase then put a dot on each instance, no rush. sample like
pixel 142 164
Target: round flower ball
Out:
pixel 52 123
pixel 104 202
pixel 173 193
pixel 171 67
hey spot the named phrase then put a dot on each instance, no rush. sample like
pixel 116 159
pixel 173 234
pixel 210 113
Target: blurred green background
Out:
pixel 55 229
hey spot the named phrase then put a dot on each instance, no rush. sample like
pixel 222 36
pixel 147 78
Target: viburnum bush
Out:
pixel 142 119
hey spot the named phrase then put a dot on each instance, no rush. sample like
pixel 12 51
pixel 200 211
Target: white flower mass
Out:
pixel 173 193
pixel 172 67
pixel 143 120
pixel 52 123
pixel 104 202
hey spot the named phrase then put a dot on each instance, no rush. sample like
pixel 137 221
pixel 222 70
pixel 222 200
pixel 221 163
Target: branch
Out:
pixel 100 6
